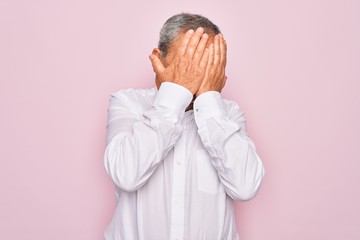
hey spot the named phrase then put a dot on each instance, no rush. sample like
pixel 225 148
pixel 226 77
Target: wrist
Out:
pixel 188 85
pixel 199 92
pixel 208 105
pixel 173 97
pixel 191 89
pixel 204 90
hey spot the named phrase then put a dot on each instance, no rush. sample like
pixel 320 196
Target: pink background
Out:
pixel 293 67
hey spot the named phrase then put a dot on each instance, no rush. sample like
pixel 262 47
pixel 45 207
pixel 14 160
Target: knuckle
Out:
pixel 190 48
pixel 198 52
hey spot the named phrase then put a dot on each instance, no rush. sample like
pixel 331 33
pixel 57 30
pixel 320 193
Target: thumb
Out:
pixel 157 65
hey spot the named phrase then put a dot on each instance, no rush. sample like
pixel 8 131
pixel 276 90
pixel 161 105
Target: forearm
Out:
pixel 232 152
pixel 134 152
pixel 130 159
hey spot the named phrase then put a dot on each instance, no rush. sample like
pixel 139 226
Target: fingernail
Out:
pixel 200 29
pixel 205 35
pixel 191 31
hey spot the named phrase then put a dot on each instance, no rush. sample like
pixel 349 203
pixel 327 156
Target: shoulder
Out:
pixel 231 106
pixel 137 96
pixel 233 110
pixel 135 100
pixel 134 93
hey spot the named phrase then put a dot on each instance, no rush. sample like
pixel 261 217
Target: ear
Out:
pixel 156 61
pixel 157 64
pixel 157 53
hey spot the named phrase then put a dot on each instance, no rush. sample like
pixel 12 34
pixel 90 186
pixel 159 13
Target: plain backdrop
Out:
pixel 293 67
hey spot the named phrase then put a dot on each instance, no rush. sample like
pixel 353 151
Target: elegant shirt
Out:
pixel 177 172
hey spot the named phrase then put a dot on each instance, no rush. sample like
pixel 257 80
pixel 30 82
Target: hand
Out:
pixel 189 63
pixel 215 79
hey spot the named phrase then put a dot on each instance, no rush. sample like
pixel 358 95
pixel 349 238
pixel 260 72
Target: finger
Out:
pixel 211 55
pixel 217 52
pixel 210 60
pixel 200 48
pixel 157 65
pixel 185 41
pixel 223 50
pixel 194 41
pixel 204 59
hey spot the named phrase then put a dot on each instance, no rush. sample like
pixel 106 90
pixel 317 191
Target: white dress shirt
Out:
pixel 177 173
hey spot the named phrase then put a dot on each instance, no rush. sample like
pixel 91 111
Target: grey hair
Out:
pixel 181 23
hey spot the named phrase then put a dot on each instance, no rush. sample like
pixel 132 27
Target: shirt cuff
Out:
pixel 208 105
pixel 174 97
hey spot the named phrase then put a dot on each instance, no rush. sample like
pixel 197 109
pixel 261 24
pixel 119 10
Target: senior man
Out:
pixel 179 153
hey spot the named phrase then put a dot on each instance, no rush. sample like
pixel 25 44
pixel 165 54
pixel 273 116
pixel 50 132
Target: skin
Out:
pixel 195 60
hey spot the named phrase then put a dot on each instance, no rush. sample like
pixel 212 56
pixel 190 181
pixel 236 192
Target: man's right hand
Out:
pixel 189 64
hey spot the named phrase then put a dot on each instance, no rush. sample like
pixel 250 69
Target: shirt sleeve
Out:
pixel 138 142
pixel 233 154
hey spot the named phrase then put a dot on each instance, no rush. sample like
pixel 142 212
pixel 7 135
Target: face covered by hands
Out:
pixel 215 78
pixel 193 61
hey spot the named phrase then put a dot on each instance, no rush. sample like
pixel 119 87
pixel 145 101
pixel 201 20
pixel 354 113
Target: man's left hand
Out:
pixel 215 79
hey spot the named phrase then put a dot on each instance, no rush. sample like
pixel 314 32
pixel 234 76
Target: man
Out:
pixel 179 154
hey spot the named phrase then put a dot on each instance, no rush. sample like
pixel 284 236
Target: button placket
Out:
pixel 178 190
